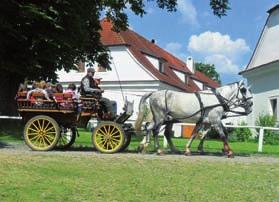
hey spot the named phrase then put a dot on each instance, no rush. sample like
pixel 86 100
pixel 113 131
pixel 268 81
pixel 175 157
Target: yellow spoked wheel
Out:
pixel 41 133
pixel 108 137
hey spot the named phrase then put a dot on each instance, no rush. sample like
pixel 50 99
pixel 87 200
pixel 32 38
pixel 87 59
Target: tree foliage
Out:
pixel 209 70
pixel 219 7
pixel 39 37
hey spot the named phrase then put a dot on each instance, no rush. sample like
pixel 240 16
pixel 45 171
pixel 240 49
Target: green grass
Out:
pixel 11 131
pixel 93 177
pixel 212 146
pixel 89 176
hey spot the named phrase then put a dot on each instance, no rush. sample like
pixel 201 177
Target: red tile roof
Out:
pixel 203 78
pixel 139 47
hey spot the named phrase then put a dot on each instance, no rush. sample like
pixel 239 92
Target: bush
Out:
pixel 240 134
pixel 270 137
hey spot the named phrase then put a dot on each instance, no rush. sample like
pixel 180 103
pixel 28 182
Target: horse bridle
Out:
pixel 228 103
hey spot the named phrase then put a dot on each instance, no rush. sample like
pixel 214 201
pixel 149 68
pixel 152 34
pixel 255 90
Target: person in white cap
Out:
pixel 89 87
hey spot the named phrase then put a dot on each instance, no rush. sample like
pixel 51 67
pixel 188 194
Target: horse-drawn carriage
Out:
pixel 53 123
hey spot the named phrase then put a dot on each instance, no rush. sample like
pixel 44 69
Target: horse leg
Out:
pixel 142 143
pixel 193 136
pixel 204 134
pixel 146 140
pixel 223 135
pixel 168 134
pixel 156 141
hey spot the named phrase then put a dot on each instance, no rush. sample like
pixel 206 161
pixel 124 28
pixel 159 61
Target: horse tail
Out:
pixel 141 111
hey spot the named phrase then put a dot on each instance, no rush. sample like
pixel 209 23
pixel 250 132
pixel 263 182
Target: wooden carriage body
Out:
pixel 52 123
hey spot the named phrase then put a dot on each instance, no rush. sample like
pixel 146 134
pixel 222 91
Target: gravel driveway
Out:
pixel 19 148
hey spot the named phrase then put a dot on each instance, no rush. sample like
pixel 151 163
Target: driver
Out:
pixel 90 87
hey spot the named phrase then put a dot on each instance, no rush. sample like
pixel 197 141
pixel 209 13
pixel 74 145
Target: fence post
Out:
pixel 261 135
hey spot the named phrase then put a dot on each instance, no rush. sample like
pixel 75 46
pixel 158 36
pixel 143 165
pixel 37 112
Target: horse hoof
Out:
pixel 160 152
pixel 140 148
pixel 175 151
pixel 187 153
pixel 230 154
pixel 201 152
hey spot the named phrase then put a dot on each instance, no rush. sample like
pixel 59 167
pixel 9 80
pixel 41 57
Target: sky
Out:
pixel 193 30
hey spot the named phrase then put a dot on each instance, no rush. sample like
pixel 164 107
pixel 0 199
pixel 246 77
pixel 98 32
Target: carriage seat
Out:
pixel 90 103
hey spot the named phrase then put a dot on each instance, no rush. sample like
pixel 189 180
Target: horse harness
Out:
pixel 220 98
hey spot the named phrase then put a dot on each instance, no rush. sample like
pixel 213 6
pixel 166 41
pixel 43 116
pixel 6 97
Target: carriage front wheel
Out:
pixel 41 133
pixel 108 137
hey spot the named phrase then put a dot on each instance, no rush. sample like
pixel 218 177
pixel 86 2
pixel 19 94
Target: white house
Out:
pixel 262 72
pixel 140 66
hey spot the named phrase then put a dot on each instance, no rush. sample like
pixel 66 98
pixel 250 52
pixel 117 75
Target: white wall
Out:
pixel 268 47
pixel 123 67
pixel 264 85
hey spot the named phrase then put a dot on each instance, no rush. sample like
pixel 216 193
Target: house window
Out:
pixel 186 79
pixel 161 67
pixel 273 103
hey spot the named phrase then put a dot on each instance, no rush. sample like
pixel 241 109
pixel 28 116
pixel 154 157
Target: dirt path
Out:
pixel 22 149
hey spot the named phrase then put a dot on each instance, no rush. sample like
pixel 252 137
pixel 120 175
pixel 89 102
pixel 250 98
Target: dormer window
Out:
pixel 161 67
pixel 186 79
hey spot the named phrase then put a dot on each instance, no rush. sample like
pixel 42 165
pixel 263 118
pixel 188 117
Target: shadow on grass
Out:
pixel 77 148
pixel 11 130
pixel 6 145
pixel 169 153
pixel 3 145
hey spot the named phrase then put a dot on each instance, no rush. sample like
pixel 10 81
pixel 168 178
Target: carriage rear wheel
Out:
pixel 67 138
pixel 41 133
pixel 108 137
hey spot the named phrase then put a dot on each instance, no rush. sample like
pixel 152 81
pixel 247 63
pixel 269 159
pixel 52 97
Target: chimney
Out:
pixel 190 64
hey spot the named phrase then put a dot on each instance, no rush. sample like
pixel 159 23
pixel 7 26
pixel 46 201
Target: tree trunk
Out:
pixel 9 83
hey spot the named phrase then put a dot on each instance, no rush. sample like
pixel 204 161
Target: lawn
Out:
pixel 87 176
pixel 14 134
pixel 211 146
pixel 90 176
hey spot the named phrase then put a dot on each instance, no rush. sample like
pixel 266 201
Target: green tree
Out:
pixel 37 38
pixel 209 70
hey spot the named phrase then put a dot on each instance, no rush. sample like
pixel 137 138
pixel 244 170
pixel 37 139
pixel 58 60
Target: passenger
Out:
pixel 38 88
pixel 22 87
pixel 72 90
pixel 59 92
pixel 90 87
pixel 35 85
pixel 59 88
pixel 50 90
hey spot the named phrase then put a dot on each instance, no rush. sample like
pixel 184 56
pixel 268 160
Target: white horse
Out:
pixel 205 108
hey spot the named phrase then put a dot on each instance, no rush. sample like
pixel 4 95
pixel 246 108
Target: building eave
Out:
pixel 258 67
pixel 273 9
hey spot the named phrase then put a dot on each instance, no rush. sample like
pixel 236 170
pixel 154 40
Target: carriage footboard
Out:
pixel 128 112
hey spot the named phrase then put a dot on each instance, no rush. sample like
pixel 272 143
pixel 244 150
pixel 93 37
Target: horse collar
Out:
pixel 222 101
pixel 201 106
